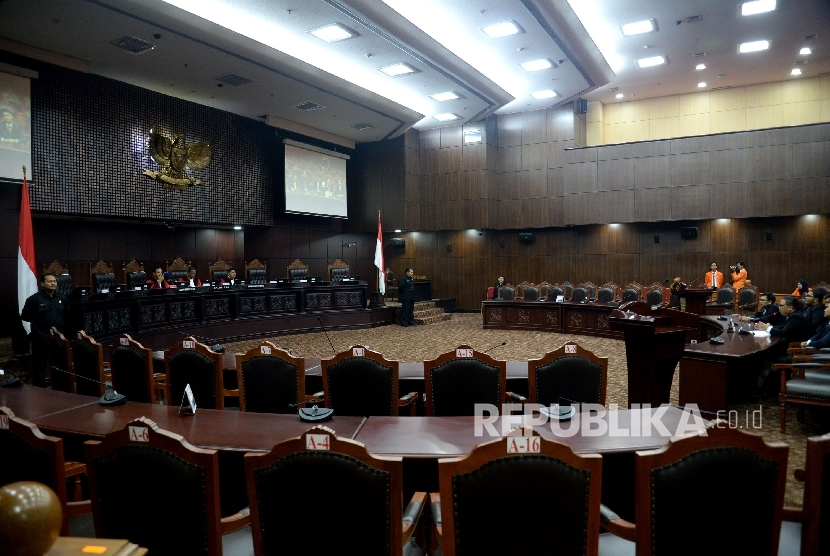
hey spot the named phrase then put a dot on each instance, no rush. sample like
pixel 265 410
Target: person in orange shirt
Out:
pixel 801 288
pixel 738 276
pixel 714 278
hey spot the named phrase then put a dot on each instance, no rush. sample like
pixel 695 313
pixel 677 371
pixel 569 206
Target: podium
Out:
pixel 654 344
pixel 696 298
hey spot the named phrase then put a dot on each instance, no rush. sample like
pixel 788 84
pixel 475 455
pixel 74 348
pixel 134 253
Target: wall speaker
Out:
pixel 657 239
pixel 688 233
pixel 526 237
pixel 580 106
pixel 769 236
pixel 398 242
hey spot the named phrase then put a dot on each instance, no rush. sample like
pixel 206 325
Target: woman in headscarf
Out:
pixel 801 288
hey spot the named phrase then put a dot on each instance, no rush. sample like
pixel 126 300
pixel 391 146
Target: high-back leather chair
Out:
pixel 507 293
pixel 531 293
pixel 101 276
pixel 134 275
pixel 544 287
pixel 554 292
pixel 570 372
pixel 725 296
pixel 632 292
pixel 61 274
pixel 59 352
pixel 569 288
pixel 88 363
pixel 729 469
pixel 219 271
pixel 579 294
pixel 654 296
pixel 364 383
pixel 178 269
pixel 748 299
pixel 338 270
pixel 270 380
pixel 473 485
pixel 366 490
pixel 607 294
pixel 29 455
pixel 297 270
pixel 256 273
pixel 131 365
pixel 129 469
pixel 591 288
pixel 189 362
pixel 458 380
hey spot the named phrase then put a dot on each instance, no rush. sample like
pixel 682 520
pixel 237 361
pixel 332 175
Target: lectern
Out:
pixel 654 343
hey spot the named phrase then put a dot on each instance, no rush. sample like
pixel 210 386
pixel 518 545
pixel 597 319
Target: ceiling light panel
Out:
pixel 638 27
pixel 540 95
pixel 650 62
pixel 796 71
pixel 805 51
pixel 443 97
pixel 503 29
pixel 333 33
pixel 398 70
pixel 536 65
pixel 700 67
pixel 753 46
pixel 757 7
pixel 448 117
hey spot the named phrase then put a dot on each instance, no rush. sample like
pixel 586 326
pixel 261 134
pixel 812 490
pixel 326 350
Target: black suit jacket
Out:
pixel 821 339
pixel 795 328
pixel 769 314
pixel 406 288
pixel 815 317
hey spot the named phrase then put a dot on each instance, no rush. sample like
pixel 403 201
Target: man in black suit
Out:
pixel 769 311
pixel 821 339
pixel 795 327
pixel 44 310
pixel 406 293
pixel 814 309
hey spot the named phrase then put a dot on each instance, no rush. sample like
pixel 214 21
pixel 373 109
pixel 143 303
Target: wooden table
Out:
pixel 72 546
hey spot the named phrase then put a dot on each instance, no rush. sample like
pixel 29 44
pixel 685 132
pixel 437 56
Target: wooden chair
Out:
pixel 59 352
pixel 178 268
pixel 608 294
pixel 544 288
pixel 132 372
pixel 338 270
pixel 591 288
pixel 569 290
pixel 101 276
pixel 555 291
pixel 131 471
pixel 363 383
pixel 366 489
pixel 270 380
pixel 571 372
pixel 735 472
pixel 803 382
pixel 530 292
pixel 29 455
pixel 653 294
pixel 297 270
pixel 747 300
pixel 219 270
pixel 471 487
pixel 62 275
pixel 507 292
pixel 134 275
pixel 815 527
pixel 88 363
pixel 580 294
pixel 189 362
pixel 520 289
pixel 632 292
pixel 256 272
pixel 457 380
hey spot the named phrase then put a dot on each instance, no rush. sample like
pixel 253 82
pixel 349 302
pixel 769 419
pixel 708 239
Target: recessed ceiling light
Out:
pixel 441 97
pixel 333 33
pixel 796 71
pixel 397 70
pixel 536 65
pixel 237 227
pixel 804 51
pixel 547 93
pixel 649 62
pixel 503 29
pixel 448 117
pixel 619 95
pixel 700 67
pixel 701 84
pixel 753 46
pixel 757 7
pixel 638 27
pixel 397 231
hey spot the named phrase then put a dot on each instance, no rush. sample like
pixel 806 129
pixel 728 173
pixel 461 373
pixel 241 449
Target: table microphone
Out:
pixel 494 347
pixel 110 397
pixel 334 351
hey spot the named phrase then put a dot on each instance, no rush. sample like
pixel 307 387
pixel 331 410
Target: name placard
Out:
pixel 570 348
pixel 317 442
pixel 123 341
pixel 464 352
pixel 523 444
pixel 4 421
pixel 139 434
pixel 358 352
pixel 265 350
pixel 188 344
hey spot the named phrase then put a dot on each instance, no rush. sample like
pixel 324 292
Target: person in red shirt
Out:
pixel 229 279
pixel 157 282
pixel 190 281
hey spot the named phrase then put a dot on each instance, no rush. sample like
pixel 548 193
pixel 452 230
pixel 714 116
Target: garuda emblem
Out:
pixel 175 156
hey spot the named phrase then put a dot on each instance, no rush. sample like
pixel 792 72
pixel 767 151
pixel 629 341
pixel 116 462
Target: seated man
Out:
pixel 795 327
pixel 821 339
pixel 157 281
pixel 768 312
pixel 230 279
pixel 814 309
pixel 190 281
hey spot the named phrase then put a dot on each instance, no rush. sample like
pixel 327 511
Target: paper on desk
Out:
pixel 760 333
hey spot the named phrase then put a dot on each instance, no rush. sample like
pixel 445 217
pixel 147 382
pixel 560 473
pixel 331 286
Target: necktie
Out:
pixel 714 280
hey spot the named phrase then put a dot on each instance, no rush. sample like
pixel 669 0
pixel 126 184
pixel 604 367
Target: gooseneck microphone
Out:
pixel 334 351
pixel 110 397
pixel 494 347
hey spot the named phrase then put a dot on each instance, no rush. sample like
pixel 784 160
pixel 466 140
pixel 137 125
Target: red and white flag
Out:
pixel 26 274
pixel 379 262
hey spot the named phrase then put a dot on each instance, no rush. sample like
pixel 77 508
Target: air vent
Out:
pixel 801 63
pixel 361 126
pixel 614 89
pixel 694 19
pixel 131 44
pixel 233 79
pixel 308 106
pixel 810 37
pixel 699 55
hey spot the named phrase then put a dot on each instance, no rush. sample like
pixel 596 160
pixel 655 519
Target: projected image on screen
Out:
pixel 15 126
pixel 315 181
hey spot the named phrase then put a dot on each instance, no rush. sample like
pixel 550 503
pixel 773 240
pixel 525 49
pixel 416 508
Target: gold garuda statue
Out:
pixel 175 156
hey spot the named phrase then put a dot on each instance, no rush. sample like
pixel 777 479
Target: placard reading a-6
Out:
pixel 139 434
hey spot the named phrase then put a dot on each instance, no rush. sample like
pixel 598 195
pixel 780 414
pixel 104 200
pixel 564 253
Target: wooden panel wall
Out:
pixel 620 253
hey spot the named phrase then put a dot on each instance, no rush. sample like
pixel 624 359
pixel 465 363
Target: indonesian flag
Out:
pixel 26 275
pixel 379 262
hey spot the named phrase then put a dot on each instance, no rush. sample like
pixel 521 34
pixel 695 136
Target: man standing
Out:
pixel 406 293
pixel 44 310
pixel 714 278
pixel 738 276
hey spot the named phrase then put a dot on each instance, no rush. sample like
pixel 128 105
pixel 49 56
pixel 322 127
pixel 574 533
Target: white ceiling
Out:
pixel 267 42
